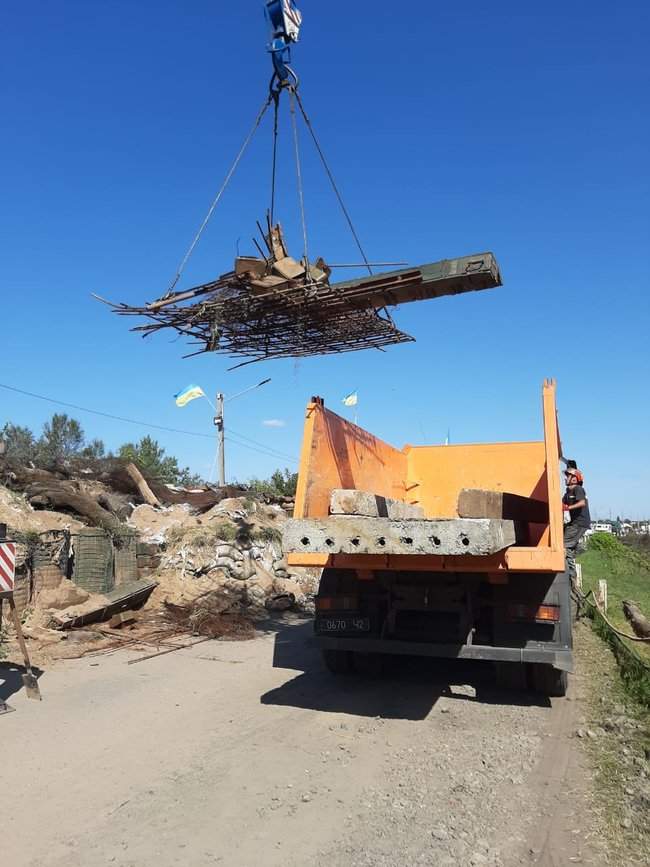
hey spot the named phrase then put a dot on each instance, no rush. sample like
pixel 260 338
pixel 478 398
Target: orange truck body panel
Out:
pixel 339 454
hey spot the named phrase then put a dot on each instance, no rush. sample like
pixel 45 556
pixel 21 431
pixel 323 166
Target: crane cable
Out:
pixel 293 93
pixel 274 97
pixel 217 199
pixel 330 175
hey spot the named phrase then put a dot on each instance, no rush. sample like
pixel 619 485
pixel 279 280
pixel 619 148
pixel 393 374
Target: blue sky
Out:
pixel 517 128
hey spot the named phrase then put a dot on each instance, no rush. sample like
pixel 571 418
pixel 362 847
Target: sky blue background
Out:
pixel 452 129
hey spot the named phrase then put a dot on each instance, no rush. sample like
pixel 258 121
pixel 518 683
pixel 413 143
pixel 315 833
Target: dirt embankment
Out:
pixel 228 557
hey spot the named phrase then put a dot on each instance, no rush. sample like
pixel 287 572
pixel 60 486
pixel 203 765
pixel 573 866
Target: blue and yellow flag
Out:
pixel 192 392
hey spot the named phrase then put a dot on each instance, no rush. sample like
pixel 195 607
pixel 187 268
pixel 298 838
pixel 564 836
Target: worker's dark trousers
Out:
pixel 572 535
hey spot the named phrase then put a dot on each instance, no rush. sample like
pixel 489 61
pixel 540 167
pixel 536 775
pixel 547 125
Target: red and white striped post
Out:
pixel 7 564
pixel 7 575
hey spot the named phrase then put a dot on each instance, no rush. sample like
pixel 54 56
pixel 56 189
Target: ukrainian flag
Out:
pixel 192 392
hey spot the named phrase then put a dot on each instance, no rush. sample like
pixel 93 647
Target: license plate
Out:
pixel 343 624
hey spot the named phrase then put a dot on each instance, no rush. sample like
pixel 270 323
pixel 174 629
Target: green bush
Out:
pixel 607 543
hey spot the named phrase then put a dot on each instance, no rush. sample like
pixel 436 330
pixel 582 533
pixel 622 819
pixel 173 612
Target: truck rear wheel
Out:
pixel 511 675
pixel 547 680
pixel 370 665
pixel 337 661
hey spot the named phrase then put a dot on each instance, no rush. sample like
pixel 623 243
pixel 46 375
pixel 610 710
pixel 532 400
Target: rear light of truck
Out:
pixel 546 613
pixel 337 603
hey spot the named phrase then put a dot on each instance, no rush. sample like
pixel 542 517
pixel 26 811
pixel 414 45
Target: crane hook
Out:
pixel 285 19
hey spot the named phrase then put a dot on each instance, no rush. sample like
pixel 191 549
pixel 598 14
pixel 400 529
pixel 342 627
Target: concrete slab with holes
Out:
pixel 350 534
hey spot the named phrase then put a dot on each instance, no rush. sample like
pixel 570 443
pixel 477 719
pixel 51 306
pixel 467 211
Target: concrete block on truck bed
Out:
pixel 353 502
pixel 474 503
pixel 349 534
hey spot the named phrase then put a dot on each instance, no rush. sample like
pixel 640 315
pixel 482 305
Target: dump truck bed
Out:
pixel 519 478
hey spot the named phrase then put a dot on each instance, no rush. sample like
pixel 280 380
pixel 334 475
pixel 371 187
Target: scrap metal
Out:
pixel 277 307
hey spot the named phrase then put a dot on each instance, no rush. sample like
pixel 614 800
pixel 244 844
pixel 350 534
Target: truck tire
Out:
pixel 511 675
pixel 337 661
pixel 547 680
pixel 368 665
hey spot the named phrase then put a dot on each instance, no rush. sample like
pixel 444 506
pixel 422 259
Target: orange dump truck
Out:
pixel 445 551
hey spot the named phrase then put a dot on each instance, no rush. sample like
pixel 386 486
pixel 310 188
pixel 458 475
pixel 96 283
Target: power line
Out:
pixel 265 453
pixel 105 414
pixel 261 445
pixel 268 452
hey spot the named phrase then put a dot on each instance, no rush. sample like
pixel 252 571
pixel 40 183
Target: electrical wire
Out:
pixel 262 449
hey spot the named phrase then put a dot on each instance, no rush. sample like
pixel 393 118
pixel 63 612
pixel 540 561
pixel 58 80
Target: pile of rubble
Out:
pixel 206 553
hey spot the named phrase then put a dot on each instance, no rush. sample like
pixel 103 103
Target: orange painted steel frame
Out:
pixel 338 454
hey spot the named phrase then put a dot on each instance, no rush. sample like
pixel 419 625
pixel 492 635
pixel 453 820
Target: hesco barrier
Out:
pixel 93 561
pixel 126 560
pixel 46 574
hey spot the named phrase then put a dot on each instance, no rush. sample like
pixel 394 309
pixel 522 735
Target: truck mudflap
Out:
pixel 560 659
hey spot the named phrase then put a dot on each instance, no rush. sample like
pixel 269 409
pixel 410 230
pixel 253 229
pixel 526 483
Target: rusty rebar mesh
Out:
pixel 211 617
pixel 276 307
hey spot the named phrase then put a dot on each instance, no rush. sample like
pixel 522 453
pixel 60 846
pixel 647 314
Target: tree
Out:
pixel 283 483
pixel 188 479
pixel 151 458
pixel 19 443
pixel 62 438
pixel 94 450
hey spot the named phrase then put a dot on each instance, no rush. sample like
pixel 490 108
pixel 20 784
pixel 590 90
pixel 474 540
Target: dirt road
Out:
pixel 249 754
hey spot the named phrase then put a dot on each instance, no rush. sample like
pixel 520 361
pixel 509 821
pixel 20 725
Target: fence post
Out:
pixel 602 595
pixel 579 576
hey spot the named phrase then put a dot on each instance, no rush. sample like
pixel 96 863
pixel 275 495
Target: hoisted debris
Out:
pixel 278 307
pixel 275 306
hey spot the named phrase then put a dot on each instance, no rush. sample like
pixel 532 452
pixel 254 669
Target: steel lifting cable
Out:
pixel 332 181
pixel 258 121
pixel 276 101
pixel 293 95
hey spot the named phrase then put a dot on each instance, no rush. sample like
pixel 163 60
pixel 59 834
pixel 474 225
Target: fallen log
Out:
pixel 141 484
pixel 633 614
pixel 64 495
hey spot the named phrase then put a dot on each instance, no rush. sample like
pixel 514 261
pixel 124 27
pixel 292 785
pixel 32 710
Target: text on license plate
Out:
pixel 344 624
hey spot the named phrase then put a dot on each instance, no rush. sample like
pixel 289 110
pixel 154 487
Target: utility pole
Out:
pixel 221 430
pixel 219 423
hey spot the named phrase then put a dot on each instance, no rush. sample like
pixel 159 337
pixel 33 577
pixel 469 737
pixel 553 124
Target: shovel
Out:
pixel 29 678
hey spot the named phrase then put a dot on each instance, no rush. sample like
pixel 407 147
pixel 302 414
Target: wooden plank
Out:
pixel 476 503
pixel 124 598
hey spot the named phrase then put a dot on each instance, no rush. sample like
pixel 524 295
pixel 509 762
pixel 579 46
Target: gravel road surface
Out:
pixel 251 755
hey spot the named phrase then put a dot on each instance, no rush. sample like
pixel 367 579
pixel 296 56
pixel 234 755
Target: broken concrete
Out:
pixel 361 535
pixel 353 502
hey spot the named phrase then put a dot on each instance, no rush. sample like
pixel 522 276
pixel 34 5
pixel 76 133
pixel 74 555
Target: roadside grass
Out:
pixel 617 742
pixel 627 573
